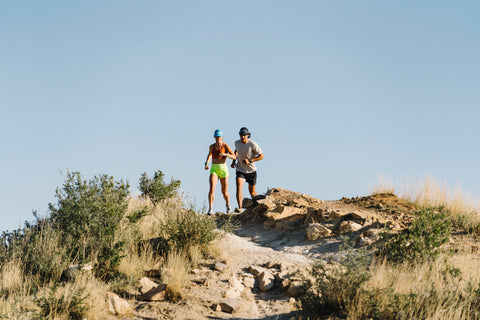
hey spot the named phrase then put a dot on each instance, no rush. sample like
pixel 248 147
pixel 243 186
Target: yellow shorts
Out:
pixel 220 169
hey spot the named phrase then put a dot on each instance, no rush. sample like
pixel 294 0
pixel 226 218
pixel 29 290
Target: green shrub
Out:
pixel 38 245
pixel 333 289
pixel 88 214
pixel 156 189
pixel 73 307
pixel 187 228
pixel 422 240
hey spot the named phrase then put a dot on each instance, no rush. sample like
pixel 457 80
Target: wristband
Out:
pixel 206 162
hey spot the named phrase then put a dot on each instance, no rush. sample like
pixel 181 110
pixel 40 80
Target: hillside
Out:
pixel 275 241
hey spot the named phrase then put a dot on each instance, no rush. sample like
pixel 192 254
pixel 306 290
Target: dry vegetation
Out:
pixel 443 286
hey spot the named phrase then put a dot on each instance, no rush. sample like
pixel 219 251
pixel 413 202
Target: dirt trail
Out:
pixel 281 250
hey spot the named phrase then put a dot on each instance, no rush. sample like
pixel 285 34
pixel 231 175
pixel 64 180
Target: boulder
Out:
pixel 349 226
pixel 154 294
pixel 316 231
pixel 337 215
pixel 285 213
pixel 236 288
pixel 267 204
pixel 70 273
pixel 231 305
pixel 117 305
pixel 289 225
pixel 266 281
pixel 256 270
pixel 220 266
pixel 146 285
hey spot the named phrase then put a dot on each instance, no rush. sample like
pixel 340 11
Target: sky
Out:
pixel 334 92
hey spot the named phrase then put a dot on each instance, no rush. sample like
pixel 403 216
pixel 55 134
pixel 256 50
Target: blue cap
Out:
pixel 218 133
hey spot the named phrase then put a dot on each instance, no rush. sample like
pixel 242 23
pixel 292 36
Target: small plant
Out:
pixel 187 228
pixel 70 307
pixel 333 289
pixel 422 240
pixel 156 189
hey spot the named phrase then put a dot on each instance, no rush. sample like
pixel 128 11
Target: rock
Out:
pixel 117 305
pixel 311 199
pixel 267 204
pixel 231 305
pixel 359 216
pixel 289 225
pixel 256 270
pixel 154 294
pixel 199 280
pixel 285 213
pixel 248 282
pixel 266 281
pixel 337 215
pixel 349 226
pixel 146 285
pixel 236 288
pixel 247 203
pixel 220 266
pixel 295 289
pixel 216 307
pixel 300 202
pixel 316 231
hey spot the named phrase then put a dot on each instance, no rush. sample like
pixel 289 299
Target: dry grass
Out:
pixel 429 192
pixel 175 274
pixel 442 289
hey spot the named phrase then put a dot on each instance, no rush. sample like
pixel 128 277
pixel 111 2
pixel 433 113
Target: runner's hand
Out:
pixel 206 166
pixel 233 164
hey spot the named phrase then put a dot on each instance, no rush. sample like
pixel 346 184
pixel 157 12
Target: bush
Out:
pixel 156 189
pixel 87 214
pixel 38 246
pixel 59 304
pixel 428 231
pixel 187 228
pixel 335 288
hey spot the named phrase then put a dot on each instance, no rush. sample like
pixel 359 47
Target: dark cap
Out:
pixel 244 132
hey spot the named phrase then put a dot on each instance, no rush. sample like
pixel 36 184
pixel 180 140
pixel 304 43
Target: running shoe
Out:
pixel 209 212
pixel 228 209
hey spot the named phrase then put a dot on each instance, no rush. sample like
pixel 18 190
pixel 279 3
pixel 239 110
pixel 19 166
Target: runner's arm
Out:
pixel 229 153
pixel 233 162
pixel 257 158
pixel 209 157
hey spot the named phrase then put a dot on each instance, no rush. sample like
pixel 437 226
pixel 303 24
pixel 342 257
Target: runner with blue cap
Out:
pixel 218 153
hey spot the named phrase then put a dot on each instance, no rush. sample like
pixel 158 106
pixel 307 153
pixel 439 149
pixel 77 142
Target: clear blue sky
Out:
pixel 334 92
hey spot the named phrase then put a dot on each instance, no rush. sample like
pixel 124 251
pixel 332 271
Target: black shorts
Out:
pixel 251 177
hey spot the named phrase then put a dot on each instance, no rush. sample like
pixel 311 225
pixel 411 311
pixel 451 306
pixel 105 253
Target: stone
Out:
pixel 231 305
pixel 220 266
pixel 256 270
pixel 266 281
pixel 316 231
pixel 295 289
pixel 236 288
pixel 285 213
pixel 336 215
pixel 154 294
pixel 300 202
pixel 248 282
pixel 289 225
pixel 349 226
pixel 216 307
pixel 359 216
pixel 267 204
pixel 117 305
pixel 146 285
pixel 247 203
pixel 258 197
